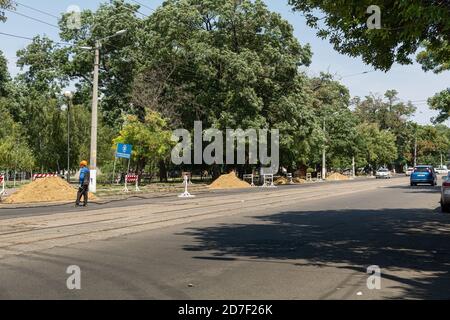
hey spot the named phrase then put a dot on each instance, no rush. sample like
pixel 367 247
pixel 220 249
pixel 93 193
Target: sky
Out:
pixel 410 81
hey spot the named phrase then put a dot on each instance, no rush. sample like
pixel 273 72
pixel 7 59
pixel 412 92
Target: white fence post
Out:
pixel 268 181
pixel 2 181
pixel 250 177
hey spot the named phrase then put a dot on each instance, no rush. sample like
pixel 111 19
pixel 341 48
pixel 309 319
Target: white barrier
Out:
pixel 308 177
pixel 268 181
pixel 187 174
pixel 289 177
pixel 2 182
pixel 186 193
pixel 130 178
pixel 251 178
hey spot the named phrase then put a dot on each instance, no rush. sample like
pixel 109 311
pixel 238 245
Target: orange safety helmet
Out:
pixel 83 163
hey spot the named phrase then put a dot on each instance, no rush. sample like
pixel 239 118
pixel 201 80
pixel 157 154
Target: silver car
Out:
pixel 445 194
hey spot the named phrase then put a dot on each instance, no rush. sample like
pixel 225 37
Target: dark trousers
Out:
pixel 83 191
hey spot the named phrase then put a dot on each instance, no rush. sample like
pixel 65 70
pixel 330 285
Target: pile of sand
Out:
pixel 52 189
pixel 229 181
pixel 281 181
pixel 298 180
pixel 337 177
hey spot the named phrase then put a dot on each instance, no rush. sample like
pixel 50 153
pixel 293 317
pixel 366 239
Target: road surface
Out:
pixel 305 242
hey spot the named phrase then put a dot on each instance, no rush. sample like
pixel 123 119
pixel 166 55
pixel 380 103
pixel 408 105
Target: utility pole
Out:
pixel 94 121
pixel 324 155
pixel 415 152
pixel 353 167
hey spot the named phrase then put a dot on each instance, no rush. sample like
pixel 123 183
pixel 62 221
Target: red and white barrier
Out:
pixel 131 178
pixel 43 175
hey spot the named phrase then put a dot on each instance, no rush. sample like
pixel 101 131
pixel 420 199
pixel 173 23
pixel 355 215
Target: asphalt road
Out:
pixel 309 249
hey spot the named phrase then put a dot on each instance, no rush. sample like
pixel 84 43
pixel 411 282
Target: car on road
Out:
pixel 383 173
pixel 442 170
pixel 409 171
pixel 424 174
pixel 445 194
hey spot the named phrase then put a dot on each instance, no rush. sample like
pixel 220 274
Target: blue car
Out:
pixel 423 174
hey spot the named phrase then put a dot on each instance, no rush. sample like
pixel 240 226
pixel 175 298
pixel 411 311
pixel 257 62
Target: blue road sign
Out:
pixel 124 151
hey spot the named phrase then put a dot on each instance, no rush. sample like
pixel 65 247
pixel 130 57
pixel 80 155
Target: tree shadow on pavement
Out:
pixel 417 189
pixel 395 239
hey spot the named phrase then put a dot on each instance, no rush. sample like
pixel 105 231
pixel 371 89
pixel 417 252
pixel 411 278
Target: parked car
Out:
pixel 383 173
pixel 409 171
pixel 445 194
pixel 423 174
pixel 442 170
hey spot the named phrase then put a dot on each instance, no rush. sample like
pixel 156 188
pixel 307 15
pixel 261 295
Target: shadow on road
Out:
pixel 408 239
pixel 417 189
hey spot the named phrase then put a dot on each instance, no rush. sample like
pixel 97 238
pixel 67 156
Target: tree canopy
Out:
pixel 228 64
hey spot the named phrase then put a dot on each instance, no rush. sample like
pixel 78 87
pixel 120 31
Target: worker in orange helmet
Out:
pixel 83 189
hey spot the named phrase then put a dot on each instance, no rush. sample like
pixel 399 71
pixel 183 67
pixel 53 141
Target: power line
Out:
pixel 16 36
pixel 357 74
pixel 31 18
pixel 37 10
pixel 31 39
pixel 143 5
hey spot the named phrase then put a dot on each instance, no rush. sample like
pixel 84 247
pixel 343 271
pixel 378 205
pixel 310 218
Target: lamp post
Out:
pixel 94 117
pixel 69 96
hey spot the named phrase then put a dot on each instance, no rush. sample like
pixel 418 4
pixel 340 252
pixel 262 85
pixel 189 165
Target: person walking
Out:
pixel 83 189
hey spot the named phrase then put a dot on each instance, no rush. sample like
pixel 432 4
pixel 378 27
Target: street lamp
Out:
pixel 324 150
pixel 69 96
pixel 94 119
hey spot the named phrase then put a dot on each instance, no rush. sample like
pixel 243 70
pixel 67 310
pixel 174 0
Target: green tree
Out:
pixel 4 74
pixel 239 64
pixel 406 26
pixel 375 147
pixel 5 4
pixel 441 102
pixel 337 124
pixel 151 140
pixel 432 142
pixel 389 114
pixel 14 151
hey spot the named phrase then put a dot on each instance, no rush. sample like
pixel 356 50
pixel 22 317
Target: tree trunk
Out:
pixel 162 171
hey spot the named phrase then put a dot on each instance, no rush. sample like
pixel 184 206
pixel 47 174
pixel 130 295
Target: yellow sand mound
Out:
pixel 281 181
pixel 337 177
pixel 298 180
pixel 53 189
pixel 229 181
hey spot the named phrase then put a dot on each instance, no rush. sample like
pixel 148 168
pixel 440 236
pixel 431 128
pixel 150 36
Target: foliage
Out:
pixel 14 151
pixel 229 64
pixel 151 139
pixel 5 4
pixel 441 102
pixel 376 147
pixel 4 74
pixel 405 26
